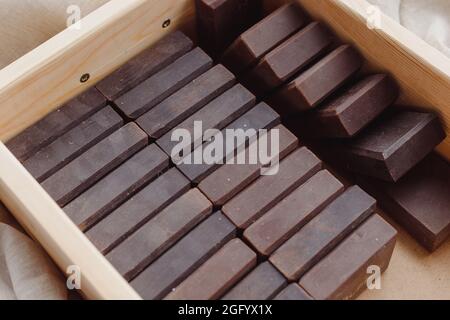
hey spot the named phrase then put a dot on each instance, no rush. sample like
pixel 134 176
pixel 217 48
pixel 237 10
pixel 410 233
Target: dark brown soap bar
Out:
pixel 319 236
pixel 213 278
pixel 420 201
pixel 219 22
pixel 151 240
pixel 356 108
pixel 145 64
pixel 184 257
pixel 186 101
pixel 320 81
pixel 231 178
pixel 55 124
pixel 293 292
pixel 267 191
pixel 290 57
pixel 391 146
pixel 343 273
pixel 253 44
pixel 260 117
pixel 215 115
pixel 158 87
pixel 293 212
pixel 70 145
pixel 263 283
pixel 91 206
pixel 136 211
pixel 80 174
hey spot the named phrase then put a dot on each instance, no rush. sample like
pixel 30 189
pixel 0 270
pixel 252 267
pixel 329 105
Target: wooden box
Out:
pixel 56 71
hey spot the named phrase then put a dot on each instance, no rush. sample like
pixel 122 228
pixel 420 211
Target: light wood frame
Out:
pixel 50 75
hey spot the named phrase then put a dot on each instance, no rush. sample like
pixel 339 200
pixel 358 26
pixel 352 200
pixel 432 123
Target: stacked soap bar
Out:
pixel 178 229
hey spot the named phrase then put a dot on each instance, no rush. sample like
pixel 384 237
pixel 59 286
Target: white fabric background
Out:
pixel 25 270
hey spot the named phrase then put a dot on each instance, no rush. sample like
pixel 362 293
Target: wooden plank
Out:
pixel 50 75
pixel 184 257
pixel 91 166
pixel 216 275
pixel 293 292
pixel 64 242
pixel 70 145
pixel 103 197
pixel 343 273
pixel 136 211
pixel 159 234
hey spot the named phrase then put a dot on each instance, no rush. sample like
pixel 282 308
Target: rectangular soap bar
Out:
pixel 70 145
pixel 231 178
pixel 263 283
pixel 213 278
pixel 420 201
pixel 309 89
pixel 343 273
pixel 95 203
pixel 55 124
pixel 186 101
pixel 160 233
pixel 292 56
pixel 319 236
pixel 392 145
pixel 352 111
pixel 215 115
pixel 253 44
pixel 184 257
pixel 293 292
pixel 80 174
pixel 136 211
pixel 219 22
pixel 259 197
pixel 260 117
pixel 293 212
pixel 158 87
pixel 145 64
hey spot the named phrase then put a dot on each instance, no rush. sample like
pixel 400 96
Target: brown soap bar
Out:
pixel 160 233
pixel 260 117
pixel 267 191
pixel 293 212
pixel 184 257
pixel 293 292
pixel 231 178
pixel 108 193
pixel 80 174
pixel 321 80
pixel 219 22
pixel 145 64
pixel 261 284
pixel 253 44
pixel 391 146
pixel 319 236
pixel 140 208
pixel 420 201
pixel 213 278
pixel 186 101
pixel 55 124
pixel 70 145
pixel 215 115
pixel 290 57
pixel 348 114
pixel 343 273
pixel 158 87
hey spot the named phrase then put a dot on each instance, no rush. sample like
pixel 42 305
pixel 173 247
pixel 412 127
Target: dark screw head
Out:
pixel 166 23
pixel 85 77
